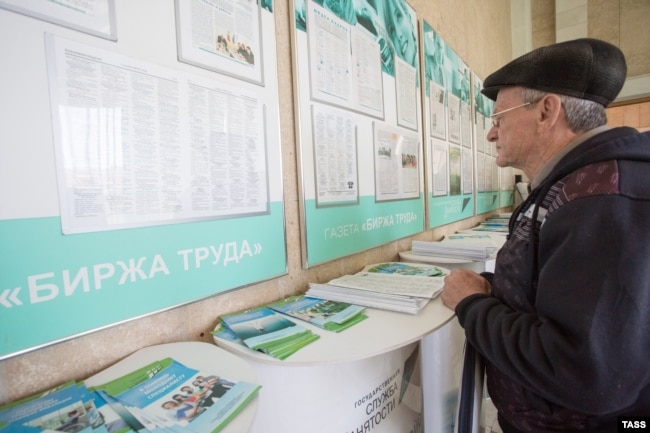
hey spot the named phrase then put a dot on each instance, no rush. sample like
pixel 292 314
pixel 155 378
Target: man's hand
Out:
pixel 461 283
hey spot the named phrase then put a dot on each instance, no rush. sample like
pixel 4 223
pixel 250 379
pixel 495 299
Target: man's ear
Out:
pixel 550 108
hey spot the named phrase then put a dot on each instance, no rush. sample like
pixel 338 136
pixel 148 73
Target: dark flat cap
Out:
pixel 584 68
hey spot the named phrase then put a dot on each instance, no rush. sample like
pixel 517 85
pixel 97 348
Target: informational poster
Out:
pixel 335 156
pixel 145 146
pixel 221 36
pixel 455 171
pixel 95 17
pixel 359 117
pixel 344 60
pixel 440 169
pixel 131 183
pixel 396 164
pixel 438 110
pixel 449 126
pixel 488 195
pixel 454 119
pixel 407 95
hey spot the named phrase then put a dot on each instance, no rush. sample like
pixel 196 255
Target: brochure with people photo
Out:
pixel 167 396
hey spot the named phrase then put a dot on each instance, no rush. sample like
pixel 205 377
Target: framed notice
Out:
pixel 95 17
pixel 221 36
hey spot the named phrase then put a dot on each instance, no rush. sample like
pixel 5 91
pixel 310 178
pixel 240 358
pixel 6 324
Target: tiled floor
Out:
pixel 489 421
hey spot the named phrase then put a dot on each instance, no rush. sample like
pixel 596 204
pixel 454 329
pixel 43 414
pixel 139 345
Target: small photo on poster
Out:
pixel 224 40
pixel 455 170
pixel 397 165
pixel 440 168
pixel 454 118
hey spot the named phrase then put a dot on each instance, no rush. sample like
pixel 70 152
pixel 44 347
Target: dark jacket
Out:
pixel 566 334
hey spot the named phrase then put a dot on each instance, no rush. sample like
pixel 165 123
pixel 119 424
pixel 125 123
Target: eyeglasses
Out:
pixel 496 116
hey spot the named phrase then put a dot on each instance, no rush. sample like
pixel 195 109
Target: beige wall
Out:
pixel 621 22
pixel 542 22
pixel 625 24
pixel 478 31
pixel 634 115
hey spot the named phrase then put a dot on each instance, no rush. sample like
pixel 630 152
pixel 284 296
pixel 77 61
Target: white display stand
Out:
pixel 201 356
pixel 349 381
pixel 442 354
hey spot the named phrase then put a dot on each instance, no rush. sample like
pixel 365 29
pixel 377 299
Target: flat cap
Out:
pixel 584 68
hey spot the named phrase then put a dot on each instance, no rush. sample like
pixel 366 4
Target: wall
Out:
pixel 621 22
pixel 634 115
pixel 624 23
pixel 478 31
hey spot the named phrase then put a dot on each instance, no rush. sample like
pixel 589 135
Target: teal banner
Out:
pixel 55 286
pixel 506 198
pixel 487 201
pixel 448 209
pixel 337 231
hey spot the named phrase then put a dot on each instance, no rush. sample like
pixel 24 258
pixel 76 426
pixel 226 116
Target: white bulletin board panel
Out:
pixel 488 195
pixel 131 182
pixel 448 131
pixel 359 121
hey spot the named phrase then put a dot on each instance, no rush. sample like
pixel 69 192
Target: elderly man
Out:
pixel 563 324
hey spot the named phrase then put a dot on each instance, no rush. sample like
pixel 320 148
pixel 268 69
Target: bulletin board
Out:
pixel 133 179
pixel 358 116
pixel 487 172
pixel 448 131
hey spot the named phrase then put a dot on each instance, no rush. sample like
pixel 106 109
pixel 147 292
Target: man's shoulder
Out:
pixel 627 178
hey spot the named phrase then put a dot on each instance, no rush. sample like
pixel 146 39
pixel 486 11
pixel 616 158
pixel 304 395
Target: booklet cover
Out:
pixel 167 396
pixel 69 407
pixel 324 313
pixel 118 418
pixel 401 268
pixel 269 332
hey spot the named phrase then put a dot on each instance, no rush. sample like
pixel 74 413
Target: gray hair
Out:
pixel 581 114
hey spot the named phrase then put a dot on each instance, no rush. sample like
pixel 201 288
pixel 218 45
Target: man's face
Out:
pixel 514 137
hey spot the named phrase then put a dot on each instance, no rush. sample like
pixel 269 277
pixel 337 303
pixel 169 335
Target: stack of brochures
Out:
pixel 324 313
pixel 164 396
pixel 69 407
pixel 461 246
pixel 496 224
pixel 394 286
pixel 265 330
